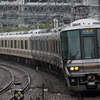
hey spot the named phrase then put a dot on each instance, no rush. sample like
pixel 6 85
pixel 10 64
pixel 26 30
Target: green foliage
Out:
pixel 12 29
pixel 24 28
pixel 45 25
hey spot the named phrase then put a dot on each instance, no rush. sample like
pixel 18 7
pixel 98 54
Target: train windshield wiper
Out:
pixel 74 57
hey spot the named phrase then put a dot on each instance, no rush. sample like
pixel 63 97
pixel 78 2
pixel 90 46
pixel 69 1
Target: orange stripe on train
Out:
pixel 91 66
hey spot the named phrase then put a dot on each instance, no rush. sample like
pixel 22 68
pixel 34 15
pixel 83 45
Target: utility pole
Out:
pixel 72 11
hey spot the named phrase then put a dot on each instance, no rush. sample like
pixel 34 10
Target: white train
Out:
pixel 73 50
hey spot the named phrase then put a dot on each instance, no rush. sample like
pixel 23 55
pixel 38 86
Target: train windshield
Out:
pixel 98 38
pixel 70 41
pixel 88 47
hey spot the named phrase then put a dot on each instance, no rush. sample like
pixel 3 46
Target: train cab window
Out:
pixel 11 43
pixel 26 44
pixel 21 44
pixel 70 44
pixel 89 47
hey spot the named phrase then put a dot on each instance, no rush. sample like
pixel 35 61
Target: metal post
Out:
pixel 42 91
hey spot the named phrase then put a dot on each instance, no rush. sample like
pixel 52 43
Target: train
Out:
pixel 71 50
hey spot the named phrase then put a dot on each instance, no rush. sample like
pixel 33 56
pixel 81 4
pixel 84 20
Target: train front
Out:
pixel 81 58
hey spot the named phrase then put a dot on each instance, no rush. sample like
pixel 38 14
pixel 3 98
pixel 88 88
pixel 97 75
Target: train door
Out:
pixel 89 52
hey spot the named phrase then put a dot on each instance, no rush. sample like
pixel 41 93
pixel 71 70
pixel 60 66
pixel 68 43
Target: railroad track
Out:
pixel 19 80
pixel 10 81
pixel 17 85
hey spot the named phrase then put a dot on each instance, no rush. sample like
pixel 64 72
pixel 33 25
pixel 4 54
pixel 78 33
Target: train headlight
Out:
pixel 71 68
pixel 74 68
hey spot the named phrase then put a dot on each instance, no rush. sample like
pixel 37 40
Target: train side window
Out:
pixel 18 44
pixel 5 43
pixel 47 45
pixel 26 44
pixel 40 45
pixel 54 46
pixel 21 44
pixel 8 43
pixel 35 44
pixel 50 44
pixel 2 43
pixel 11 43
pixel 15 44
pixel 43 45
pixel 32 44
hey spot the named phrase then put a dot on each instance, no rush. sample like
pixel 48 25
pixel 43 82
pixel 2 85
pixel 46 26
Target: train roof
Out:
pixel 83 23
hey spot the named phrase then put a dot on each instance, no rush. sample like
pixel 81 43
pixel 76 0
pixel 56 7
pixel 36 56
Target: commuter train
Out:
pixel 72 50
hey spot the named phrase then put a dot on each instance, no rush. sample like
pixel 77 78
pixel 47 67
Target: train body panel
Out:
pixel 46 48
pixel 17 45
